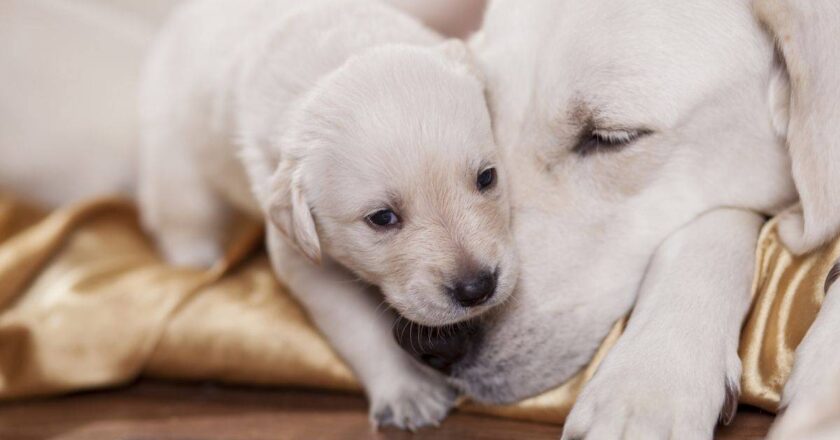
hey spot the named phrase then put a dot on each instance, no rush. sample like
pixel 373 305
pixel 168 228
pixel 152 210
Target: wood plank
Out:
pixel 171 411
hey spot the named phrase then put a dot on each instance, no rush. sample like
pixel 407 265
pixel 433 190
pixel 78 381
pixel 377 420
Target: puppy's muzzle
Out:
pixel 437 347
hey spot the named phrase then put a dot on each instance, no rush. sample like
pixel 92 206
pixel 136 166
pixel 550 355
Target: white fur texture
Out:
pixel 808 39
pixel 698 86
pixel 701 74
pixel 315 116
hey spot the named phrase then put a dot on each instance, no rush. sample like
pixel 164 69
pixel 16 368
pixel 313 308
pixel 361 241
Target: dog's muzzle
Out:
pixel 437 347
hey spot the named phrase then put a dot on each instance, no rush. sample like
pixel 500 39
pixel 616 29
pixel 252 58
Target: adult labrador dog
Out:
pixel 646 142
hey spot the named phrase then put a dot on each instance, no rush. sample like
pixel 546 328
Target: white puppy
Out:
pixel 365 142
pixel 646 141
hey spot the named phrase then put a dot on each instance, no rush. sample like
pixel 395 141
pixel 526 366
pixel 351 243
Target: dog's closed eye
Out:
pixel 598 140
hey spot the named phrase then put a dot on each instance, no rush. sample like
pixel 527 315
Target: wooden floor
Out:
pixel 153 410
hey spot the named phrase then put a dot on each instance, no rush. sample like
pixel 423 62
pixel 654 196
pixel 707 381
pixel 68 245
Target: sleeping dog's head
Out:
pixel 621 122
pixel 391 169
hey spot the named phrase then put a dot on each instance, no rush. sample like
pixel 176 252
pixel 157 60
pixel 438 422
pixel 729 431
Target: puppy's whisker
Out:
pixel 410 338
pixel 411 335
pixel 402 332
pixel 383 308
pixel 436 329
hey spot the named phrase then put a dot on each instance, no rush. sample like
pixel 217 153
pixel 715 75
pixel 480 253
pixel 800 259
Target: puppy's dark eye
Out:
pixel 384 218
pixel 486 179
pixel 604 141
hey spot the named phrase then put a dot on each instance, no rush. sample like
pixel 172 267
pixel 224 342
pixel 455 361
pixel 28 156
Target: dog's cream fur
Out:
pixel 723 130
pixel 652 223
pixel 337 109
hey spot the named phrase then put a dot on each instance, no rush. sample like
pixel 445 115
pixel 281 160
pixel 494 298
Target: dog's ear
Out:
pixel 458 52
pixel 805 95
pixel 289 211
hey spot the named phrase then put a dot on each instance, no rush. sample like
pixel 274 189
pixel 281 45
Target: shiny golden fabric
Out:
pixel 86 303
pixel 787 293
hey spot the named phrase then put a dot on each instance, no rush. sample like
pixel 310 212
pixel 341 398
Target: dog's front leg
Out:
pixel 676 368
pixel 348 313
pixel 812 393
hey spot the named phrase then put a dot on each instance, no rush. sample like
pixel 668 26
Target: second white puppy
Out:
pixel 364 140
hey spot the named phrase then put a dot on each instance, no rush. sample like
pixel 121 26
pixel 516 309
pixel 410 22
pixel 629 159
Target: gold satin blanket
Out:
pixel 86 303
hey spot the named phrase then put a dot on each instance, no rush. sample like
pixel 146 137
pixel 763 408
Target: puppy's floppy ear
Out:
pixel 289 211
pixel 458 52
pixel 807 34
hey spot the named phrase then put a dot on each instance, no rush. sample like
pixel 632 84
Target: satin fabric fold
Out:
pixel 85 302
pixel 787 293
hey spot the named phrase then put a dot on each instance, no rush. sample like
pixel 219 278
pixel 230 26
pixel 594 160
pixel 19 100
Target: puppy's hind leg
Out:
pixel 811 398
pixel 183 213
pixel 401 393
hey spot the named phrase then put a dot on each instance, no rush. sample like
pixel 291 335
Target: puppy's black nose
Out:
pixel 438 347
pixel 476 289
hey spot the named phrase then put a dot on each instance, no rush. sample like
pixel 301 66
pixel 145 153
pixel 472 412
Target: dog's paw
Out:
pixel 815 418
pixel 412 401
pixel 641 394
pixel 811 399
pixel 791 227
pixel 811 412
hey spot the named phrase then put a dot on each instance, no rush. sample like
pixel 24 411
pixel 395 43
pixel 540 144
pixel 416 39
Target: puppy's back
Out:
pixel 232 70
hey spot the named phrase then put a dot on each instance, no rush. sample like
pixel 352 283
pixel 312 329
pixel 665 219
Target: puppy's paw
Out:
pixel 195 252
pixel 642 393
pixel 411 401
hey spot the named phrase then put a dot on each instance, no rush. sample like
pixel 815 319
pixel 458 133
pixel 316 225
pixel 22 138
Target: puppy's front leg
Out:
pixel 677 363
pixel 400 392
pixel 812 393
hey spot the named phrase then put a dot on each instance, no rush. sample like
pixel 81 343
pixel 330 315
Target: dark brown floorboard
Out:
pixel 169 411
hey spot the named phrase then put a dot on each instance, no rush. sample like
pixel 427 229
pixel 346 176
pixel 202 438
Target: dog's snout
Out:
pixel 476 289
pixel 438 347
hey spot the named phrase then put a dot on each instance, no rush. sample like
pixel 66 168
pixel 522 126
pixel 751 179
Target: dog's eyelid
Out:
pixel 593 139
pixel 618 133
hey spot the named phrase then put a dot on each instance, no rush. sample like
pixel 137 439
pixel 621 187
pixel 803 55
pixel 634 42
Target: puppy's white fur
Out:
pixel 651 222
pixel 315 116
